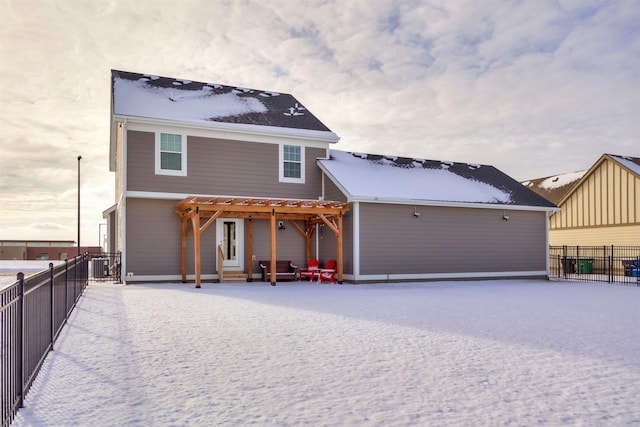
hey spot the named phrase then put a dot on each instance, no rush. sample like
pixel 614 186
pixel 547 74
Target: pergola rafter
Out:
pixel 201 212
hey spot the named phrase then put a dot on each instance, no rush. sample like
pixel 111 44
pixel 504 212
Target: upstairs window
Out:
pixel 171 154
pixel 291 163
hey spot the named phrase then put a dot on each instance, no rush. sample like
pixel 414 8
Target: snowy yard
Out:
pixel 447 353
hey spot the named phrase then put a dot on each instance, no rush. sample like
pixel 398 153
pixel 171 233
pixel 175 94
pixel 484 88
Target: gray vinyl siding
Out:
pixel 221 167
pixel 449 240
pixel 153 240
pixel 332 192
pixel 290 244
pixel 112 230
pixel 328 244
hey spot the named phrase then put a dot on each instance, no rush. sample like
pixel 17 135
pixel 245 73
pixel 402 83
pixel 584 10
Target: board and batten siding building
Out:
pixel 599 206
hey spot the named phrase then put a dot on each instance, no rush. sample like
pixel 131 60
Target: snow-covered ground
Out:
pixel 10 268
pixel 447 353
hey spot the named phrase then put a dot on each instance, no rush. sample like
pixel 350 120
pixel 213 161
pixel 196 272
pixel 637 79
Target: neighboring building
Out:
pixel 600 206
pixel 41 249
pixel 235 162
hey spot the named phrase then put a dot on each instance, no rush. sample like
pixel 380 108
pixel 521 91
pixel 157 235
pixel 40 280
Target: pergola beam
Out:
pixel 205 210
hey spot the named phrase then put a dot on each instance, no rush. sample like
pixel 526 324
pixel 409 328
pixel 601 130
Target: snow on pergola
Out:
pixel 201 212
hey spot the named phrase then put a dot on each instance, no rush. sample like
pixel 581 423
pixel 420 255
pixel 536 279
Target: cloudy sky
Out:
pixel 533 87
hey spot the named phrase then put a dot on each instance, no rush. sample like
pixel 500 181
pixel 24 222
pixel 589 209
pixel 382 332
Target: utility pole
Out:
pixel 79 158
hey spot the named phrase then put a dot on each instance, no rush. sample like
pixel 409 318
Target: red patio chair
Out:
pixel 311 271
pixel 328 273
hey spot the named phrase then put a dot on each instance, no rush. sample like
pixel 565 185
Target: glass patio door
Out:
pixel 230 234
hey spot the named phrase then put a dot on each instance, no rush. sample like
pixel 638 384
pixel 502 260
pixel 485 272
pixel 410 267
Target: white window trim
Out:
pixel 183 170
pixel 281 165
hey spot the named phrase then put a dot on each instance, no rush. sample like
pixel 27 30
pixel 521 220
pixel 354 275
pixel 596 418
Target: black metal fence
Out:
pixel 32 314
pixel 611 264
pixel 105 267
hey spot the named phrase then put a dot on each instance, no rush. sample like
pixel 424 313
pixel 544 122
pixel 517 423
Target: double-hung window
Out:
pixel 171 154
pixel 291 163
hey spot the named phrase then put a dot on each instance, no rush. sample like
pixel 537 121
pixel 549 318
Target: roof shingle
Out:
pixel 144 95
pixel 386 178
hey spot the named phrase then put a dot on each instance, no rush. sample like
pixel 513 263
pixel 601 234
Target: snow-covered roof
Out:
pixel 165 98
pixel 367 177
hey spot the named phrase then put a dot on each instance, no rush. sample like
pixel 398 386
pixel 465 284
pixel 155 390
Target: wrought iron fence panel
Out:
pixel 611 264
pixel 32 313
pixel 105 267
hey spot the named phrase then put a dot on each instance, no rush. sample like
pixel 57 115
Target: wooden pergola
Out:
pixel 201 212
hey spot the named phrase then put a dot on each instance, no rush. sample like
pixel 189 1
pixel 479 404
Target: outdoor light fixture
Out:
pixel 505 217
pixel 415 212
pixel 281 225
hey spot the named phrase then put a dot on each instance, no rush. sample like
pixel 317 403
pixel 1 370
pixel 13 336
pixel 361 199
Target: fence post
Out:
pixel 66 291
pixel 21 335
pixel 611 265
pixel 75 279
pixel 52 304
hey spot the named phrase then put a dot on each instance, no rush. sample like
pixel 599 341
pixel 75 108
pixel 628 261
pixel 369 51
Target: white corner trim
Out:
pixel 355 214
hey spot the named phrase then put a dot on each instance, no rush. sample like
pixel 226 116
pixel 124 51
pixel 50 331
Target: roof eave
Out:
pixel 453 204
pixel 351 198
pixel 333 179
pixel 240 128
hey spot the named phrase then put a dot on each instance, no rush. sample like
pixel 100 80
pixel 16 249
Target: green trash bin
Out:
pixel 585 266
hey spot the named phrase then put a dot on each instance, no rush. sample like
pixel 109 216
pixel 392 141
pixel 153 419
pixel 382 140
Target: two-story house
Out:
pixel 212 177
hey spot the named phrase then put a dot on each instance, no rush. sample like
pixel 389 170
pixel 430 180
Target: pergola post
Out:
pixel 272 223
pixel 195 223
pixel 339 250
pixel 307 237
pixel 183 250
pixel 206 210
pixel 250 250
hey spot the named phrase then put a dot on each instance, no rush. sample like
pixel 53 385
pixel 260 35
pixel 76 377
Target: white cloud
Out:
pixel 534 88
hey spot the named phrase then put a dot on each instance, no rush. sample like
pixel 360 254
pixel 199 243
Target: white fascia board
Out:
pixel 337 183
pixel 181 196
pixel 109 210
pixel 156 195
pixel 236 131
pixel 418 202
